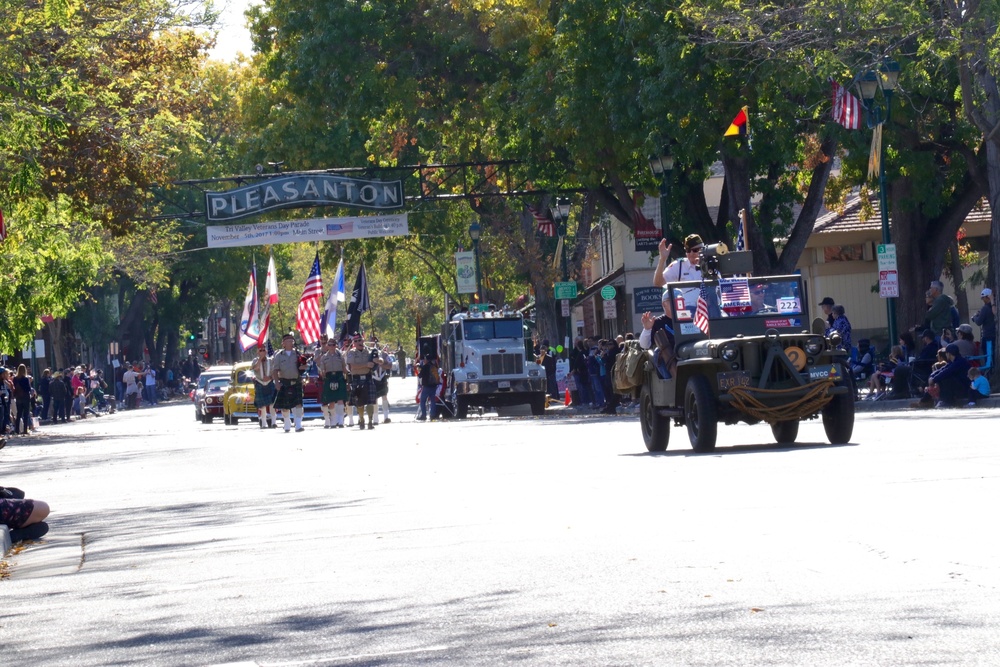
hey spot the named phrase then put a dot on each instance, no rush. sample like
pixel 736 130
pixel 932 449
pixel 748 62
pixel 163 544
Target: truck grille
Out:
pixel 503 364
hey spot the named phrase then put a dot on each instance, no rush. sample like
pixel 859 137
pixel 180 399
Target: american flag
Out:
pixel 701 310
pixel 546 227
pixel 741 239
pixel 307 316
pixel 846 107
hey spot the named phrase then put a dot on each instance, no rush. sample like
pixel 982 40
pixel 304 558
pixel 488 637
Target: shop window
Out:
pixel 854 252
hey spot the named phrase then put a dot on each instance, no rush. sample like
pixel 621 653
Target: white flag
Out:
pixel 271 286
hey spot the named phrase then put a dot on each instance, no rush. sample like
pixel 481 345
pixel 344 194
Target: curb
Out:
pixel 904 404
pixel 4 540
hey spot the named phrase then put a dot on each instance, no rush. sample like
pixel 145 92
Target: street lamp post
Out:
pixel 877 115
pixel 560 215
pixel 662 167
pixel 475 231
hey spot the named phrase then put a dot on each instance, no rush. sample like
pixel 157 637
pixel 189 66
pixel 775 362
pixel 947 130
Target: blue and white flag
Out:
pixel 336 296
pixel 249 323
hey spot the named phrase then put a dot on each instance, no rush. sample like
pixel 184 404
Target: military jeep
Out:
pixel 743 351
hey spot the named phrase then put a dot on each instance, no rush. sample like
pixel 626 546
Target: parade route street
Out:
pixel 537 541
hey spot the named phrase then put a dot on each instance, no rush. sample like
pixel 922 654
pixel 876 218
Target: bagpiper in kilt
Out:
pixel 360 365
pixel 331 366
pixel 287 368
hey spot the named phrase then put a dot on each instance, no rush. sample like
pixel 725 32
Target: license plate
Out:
pixel 731 379
pixel 503 384
pixel 824 372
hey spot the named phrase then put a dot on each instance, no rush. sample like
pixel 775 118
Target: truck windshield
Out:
pixel 489 329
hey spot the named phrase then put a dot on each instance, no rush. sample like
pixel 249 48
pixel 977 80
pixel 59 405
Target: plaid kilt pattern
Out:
pixel 289 395
pixel 263 394
pixel 362 390
pixel 329 395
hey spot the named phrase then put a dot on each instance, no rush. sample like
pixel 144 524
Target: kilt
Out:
pixel 362 390
pixel 289 396
pixel 382 387
pixel 263 394
pixel 331 395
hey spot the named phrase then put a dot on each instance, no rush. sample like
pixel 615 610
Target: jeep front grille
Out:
pixel 779 375
pixel 503 364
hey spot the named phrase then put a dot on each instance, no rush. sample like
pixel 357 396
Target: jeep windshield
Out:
pixel 493 328
pixel 740 305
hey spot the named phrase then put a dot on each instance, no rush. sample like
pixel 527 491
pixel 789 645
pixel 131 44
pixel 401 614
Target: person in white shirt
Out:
pixel 683 269
pixel 150 376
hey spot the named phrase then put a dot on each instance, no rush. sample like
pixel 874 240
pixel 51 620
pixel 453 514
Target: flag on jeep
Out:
pixel 701 310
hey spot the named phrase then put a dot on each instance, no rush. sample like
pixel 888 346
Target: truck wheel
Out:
pixel 838 415
pixel 700 414
pixel 538 405
pixel 655 428
pixel 206 419
pixel 225 419
pixel 461 408
pixel 785 432
pixel 234 420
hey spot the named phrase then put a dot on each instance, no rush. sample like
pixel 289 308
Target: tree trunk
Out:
pixel 955 269
pixel 55 337
pixel 993 271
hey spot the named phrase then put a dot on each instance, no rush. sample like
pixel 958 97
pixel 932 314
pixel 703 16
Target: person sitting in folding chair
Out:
pixel 863 367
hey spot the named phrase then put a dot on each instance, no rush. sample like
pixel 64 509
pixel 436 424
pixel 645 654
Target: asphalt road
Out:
pixel 535 541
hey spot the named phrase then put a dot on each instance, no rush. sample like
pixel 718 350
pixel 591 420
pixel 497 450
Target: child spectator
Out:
pixel 979 387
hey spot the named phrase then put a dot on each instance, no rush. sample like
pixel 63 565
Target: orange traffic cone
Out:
pixel 567 402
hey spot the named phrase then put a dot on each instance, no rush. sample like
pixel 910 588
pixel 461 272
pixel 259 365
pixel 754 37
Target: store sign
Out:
pixel 303 191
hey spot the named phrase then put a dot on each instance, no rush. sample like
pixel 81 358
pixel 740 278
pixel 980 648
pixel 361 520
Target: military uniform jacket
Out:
pixel 359 358
pixel 262 370
pixel 330 362
pixel 286 365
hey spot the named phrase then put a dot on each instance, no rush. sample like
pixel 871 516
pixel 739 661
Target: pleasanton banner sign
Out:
pixel 303 190
pixel 313 229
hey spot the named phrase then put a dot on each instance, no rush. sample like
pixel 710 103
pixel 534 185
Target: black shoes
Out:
pixel 371 427
pixel 32 532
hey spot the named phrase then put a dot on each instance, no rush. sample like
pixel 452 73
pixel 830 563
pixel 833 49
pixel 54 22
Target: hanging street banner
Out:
pixel 313 229
pixel 302 191
pixel 465 272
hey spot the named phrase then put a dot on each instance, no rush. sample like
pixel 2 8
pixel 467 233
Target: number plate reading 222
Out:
pixel 731 379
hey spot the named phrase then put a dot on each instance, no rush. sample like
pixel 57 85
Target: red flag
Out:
pixel 846 107
pixel 739 125
pixel 307 316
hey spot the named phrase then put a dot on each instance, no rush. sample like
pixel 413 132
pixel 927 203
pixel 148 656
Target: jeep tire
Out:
pixel 838 415
pixel 785 432
pixel 700 414
pixel 655 427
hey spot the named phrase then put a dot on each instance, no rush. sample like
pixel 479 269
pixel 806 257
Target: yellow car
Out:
pixel 238 400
